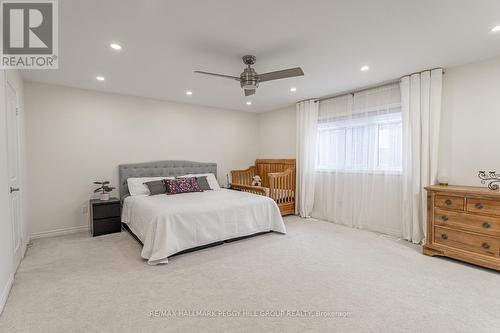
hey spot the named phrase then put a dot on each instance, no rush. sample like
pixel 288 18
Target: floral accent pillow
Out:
pixel 182 185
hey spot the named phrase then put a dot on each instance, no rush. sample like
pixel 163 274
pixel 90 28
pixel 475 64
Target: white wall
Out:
pixel 75 137
pixel 7 264
pixel 471 121
pixel 277 133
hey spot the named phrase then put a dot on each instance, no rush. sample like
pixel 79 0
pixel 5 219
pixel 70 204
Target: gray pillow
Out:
pixel 203 183
pixel 156 187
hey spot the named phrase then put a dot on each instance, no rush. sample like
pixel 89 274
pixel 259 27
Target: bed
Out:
pixel 171 224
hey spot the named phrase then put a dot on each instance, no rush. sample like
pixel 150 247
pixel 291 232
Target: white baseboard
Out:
pixel 5 292
pixel 59 232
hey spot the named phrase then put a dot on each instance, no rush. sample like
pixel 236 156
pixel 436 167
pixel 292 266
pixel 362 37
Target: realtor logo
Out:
pixel 29 34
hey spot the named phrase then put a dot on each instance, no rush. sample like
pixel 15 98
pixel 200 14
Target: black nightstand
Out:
pixel 105 216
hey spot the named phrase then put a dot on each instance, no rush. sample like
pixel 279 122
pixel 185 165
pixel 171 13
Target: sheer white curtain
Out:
pixel 421 110
pixel 359 160
pixel 307 123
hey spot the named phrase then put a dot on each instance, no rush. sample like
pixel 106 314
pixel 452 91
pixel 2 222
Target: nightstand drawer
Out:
pixel 103 211
pixel 106 226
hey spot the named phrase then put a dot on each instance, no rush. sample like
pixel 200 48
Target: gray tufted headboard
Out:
pixel 160 169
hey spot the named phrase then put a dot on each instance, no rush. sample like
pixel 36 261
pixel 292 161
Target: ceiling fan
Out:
pixel 249 79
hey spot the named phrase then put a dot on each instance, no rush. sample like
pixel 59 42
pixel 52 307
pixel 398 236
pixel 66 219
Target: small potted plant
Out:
pixel 104 189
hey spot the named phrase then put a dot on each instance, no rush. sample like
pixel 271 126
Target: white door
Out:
pixel 13 164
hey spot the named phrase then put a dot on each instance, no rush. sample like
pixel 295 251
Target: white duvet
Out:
pixel 167 224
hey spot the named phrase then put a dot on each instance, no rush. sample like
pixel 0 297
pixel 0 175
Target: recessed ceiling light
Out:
pixel 364 68
pixel 496 29
pixel 293 89
pixel 189 92
pixel 115 46
pixel 249 102
pixel 100 78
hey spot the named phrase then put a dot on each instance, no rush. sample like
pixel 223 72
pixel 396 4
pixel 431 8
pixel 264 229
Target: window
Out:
pixel 366 140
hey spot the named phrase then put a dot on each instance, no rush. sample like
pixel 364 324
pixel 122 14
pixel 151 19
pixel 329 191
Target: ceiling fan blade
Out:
pixel 283 74
pixel 219 75
pixel 249 92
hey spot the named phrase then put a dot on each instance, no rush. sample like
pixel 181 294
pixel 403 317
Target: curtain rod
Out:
pixel 354 91
pixel 372 86
pixel 427 70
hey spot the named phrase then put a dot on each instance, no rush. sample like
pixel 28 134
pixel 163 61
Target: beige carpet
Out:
pixel 376 284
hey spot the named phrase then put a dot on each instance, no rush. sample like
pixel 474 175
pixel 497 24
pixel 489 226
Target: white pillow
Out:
pixel 212 182
pixel 136 185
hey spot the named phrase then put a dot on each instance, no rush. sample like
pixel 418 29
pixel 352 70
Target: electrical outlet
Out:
pixel 85 210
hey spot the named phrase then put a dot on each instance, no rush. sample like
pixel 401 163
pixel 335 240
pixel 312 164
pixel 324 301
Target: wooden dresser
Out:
pixel 464 223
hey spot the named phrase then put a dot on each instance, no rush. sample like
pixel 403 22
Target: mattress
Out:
pixel 167 224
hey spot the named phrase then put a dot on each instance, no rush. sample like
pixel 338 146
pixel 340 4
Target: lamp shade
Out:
pixel 443 178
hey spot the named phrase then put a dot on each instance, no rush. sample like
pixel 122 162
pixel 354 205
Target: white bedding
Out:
pixel 167 224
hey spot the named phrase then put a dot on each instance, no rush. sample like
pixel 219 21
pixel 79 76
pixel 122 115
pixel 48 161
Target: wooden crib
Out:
pixel 278 181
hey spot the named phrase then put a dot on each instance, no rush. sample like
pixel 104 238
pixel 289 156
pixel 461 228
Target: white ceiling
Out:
pixel 164 41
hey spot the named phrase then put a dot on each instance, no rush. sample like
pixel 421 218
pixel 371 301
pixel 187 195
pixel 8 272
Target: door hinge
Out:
pixel 17 111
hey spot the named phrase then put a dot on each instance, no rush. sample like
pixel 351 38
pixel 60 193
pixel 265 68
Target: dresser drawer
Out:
pixel 482 224
pixel 467 241
pixel 450 202
pixel 483 206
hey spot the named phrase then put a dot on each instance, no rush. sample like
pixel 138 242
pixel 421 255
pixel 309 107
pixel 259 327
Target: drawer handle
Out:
pixel 445 236
pixel 448 202
pixel 486 246
pixel 479 206
pixel 486 225
pixel 445 218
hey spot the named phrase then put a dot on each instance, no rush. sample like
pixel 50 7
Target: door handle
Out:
pixel 12 189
